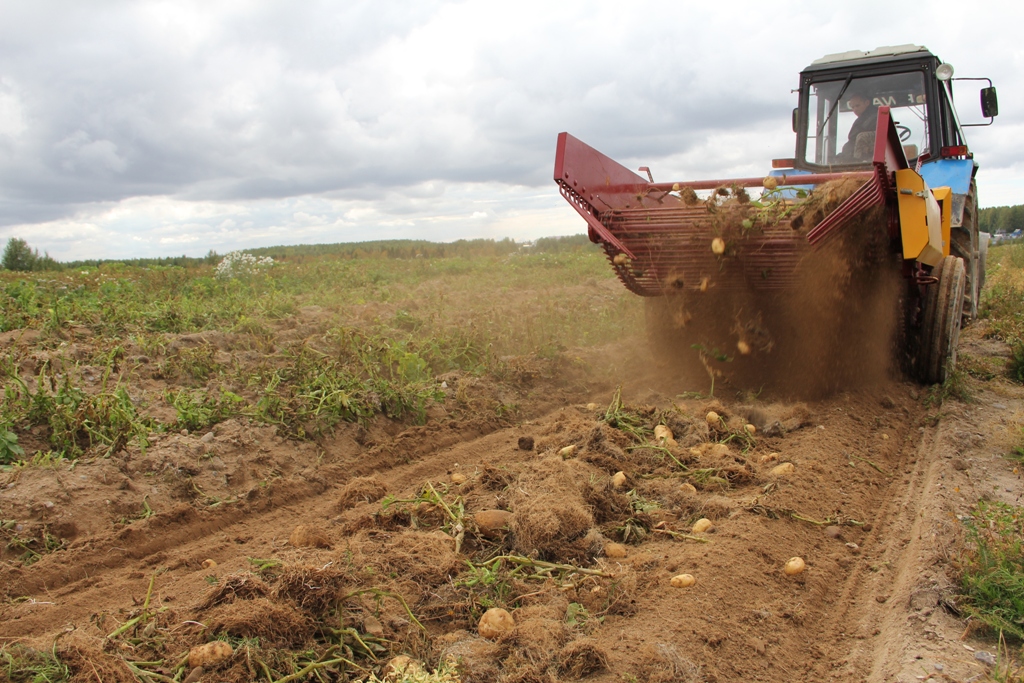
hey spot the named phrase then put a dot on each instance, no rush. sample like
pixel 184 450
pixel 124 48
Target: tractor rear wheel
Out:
pixel 942 319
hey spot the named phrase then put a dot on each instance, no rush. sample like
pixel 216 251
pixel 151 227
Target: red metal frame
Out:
pixel 667 243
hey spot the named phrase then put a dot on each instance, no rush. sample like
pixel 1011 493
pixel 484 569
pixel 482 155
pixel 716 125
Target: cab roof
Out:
pixel 881 54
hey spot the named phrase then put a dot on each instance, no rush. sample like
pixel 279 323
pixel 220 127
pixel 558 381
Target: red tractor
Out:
pixel 865 241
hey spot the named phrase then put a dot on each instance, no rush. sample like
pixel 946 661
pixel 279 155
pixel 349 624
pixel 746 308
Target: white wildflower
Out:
pixel 239 263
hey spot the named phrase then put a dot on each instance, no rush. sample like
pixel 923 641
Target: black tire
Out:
pixel 964 242
pixel 942 320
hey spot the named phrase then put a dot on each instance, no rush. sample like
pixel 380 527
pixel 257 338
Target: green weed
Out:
pixel 24 665
pixel 992 567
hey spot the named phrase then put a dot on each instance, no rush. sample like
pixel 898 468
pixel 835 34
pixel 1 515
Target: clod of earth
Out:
pixel 682 581
pixel 372 626
pixel 209 564
pixel 210 655
pixel 526 443
pixel 782 469
pixel 794 566
pixel 615 550
pixel 619 479
pixel 834 532
pixel 492 522
pixel 494 623
pixel 306 536
pixel 701 525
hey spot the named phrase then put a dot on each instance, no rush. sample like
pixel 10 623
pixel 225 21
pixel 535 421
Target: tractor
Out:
pixel 866 237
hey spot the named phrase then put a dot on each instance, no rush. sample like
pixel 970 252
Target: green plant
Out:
pixel 992 567
pixel 22 664
pixel 9 448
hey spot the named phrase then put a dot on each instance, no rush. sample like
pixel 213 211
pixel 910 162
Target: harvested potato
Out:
pixel 713 419
pixel 688 488
pixel 794 566
pixel 401 667
pixel 592 406
pixel 209 564
pixel 782 469
pixel 494 623
pixel 704 281
pixel 615 550
pixel 492 522
pixel 210 655
pixel 307 536
pixel 770 457
pixel 682 581
pixel 718 246
pixel 750 429
pixel 770 183
pixel 620 259
pixel 743 347
pixel 619 479
pixel 567 452
pixel 701 525
pixel 459 478
pixel 663 435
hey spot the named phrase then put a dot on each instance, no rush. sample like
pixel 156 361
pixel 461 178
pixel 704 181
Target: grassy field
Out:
pixel 378 326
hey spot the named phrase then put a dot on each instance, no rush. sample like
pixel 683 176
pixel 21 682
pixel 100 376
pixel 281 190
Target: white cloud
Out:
pixel 271 122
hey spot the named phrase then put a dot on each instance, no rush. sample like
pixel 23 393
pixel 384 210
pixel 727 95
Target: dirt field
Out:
pixel 326 556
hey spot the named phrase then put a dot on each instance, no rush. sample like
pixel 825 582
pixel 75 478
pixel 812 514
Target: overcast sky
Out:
pixel 165 128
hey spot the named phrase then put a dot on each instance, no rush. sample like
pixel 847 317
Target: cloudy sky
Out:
pixel 137 128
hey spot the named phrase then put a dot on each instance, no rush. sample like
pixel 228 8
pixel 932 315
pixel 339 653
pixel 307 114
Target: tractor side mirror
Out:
pixel 794 119
pixel 989 102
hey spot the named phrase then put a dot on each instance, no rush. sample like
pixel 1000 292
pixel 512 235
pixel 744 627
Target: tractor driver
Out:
pixel 867 116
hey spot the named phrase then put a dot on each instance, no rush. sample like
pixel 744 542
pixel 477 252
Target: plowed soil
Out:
pixel 280 546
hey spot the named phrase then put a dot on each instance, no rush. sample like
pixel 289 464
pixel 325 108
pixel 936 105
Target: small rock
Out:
pixel 207 437
pixel 48 505
pixel 939 667
pixel 194 675
pixel 881 598
pixel 986 658
pixel 914 395
pixel 184 432
pixel 853 546
pixel 526 443
pixel 834 532
pixel 867 527
pixel 887 403
pixel 773 429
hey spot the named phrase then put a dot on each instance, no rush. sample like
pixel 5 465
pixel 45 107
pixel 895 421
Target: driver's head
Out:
pixel 858 103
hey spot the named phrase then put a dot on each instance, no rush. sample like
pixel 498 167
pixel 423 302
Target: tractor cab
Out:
pixel 839 99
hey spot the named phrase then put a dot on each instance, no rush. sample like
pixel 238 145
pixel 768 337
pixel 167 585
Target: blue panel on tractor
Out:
pixel 952 173
pixel 789 191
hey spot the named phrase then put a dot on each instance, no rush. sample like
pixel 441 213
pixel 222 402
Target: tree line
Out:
pixel 19 256
pixel 1001 219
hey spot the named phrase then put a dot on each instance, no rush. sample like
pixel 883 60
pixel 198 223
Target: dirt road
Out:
pixel 240 534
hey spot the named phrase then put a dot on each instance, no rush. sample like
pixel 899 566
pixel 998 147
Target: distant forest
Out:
pixel 1001 219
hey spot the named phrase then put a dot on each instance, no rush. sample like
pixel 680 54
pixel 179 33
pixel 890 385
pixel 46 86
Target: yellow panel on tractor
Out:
pixel 921 219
